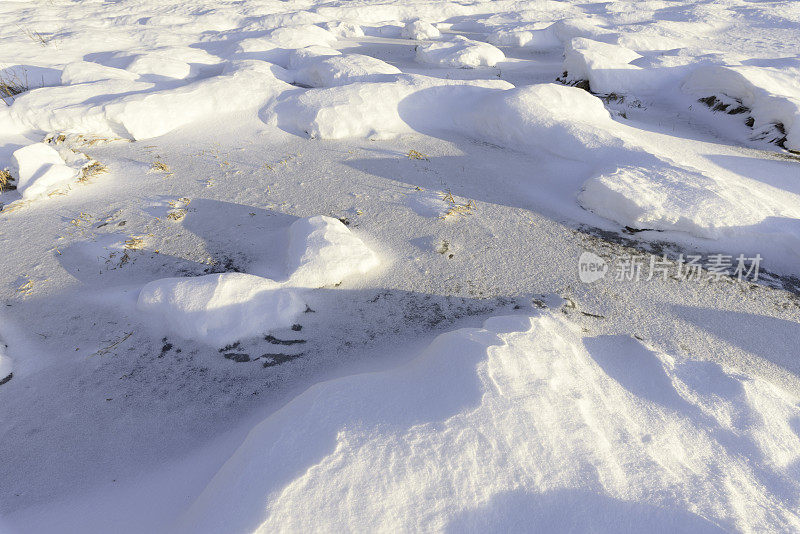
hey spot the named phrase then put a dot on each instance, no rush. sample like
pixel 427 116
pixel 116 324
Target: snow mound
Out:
pixel 420 30
pixel 565 121
pixel 373 110
pixel 525 424
pixel 40 170
pixel 599 63
pixel 670 198
pixel 608 69
pixel 772 96
pixel 460 53
pixel 94 108
pixel 220 308
pixel 340 70
pixel 543 39
pixel 303 57
pixel 256 44
pixel 301 36
pixel 344 29
pixel 323 251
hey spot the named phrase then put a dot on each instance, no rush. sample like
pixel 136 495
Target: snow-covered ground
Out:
pixel 368 266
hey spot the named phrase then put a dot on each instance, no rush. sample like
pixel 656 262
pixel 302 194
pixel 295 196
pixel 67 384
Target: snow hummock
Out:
pixel 376 110
pixel 541 39
pixel 566 121
pixel 219 309
pixel 524 424
pixel 602 64
pixel 93 108
pixel 343 69
pixel 459 52
pixel 420 30
pixel 40 170
pixel 323 251
pixel 309 55
pixel 771 95
pixel 671 198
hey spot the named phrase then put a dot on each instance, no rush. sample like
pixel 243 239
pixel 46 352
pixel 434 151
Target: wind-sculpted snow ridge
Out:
pixel 219 309
pixel 525 422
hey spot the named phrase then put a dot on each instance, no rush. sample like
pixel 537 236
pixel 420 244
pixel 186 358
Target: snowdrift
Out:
pixel 523 424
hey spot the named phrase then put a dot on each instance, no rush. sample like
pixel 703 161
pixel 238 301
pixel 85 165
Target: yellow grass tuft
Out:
pixel 135 242
pixel 93 169
pixel 413 154
pixel 5 181
pixel 160 166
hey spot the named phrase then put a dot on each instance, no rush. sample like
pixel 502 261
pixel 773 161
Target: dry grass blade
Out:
pixel 413 154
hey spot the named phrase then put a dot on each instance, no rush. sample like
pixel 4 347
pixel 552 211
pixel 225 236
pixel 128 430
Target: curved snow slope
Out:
pixel 523 424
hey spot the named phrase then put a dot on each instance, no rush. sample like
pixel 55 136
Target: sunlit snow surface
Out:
pixel 313 266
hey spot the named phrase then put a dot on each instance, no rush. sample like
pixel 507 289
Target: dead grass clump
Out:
pixel 11 84
pixel 5 181
pixel 91 170
pixel 160 166
pixel 413 154
pixel 135 242
pixel 456 208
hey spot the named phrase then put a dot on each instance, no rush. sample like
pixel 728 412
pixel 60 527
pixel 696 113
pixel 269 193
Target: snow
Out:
pixel 681 200
pixel 376 110
pixel 514 425
pixel 340 70
pixel 40 170
pixel 771 95
pixel 459 52
pixel 322 251
pixel 420 30
pixel 219 309
pixel 599 63
pixel 541 39
pixel 94 108
pixel 309 265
